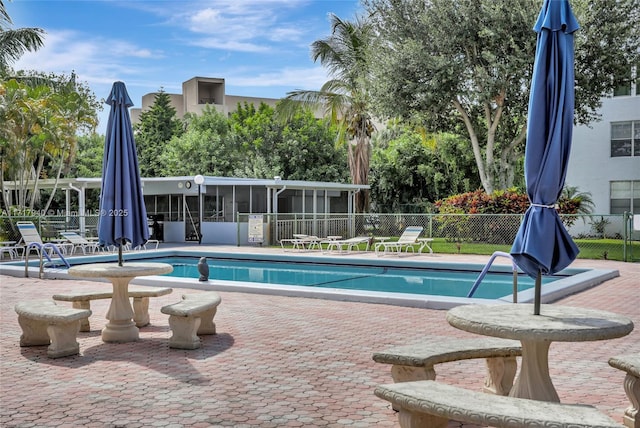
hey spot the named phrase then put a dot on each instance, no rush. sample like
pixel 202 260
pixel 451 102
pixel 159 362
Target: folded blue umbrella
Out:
pixel 542 244
pixel 123 216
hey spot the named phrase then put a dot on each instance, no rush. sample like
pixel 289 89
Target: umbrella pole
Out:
pixel 538 292
pixel 120 255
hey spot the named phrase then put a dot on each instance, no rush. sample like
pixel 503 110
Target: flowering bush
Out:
pixel 473 226
pixel 508 201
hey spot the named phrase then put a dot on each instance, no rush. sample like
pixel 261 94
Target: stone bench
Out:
pixel 190 317
pixel 416 362
pixel 82 300
pixel 631 365
pixel 45 323
pixel 428 403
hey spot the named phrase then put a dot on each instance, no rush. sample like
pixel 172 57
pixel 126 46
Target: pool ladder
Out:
pixel 488 266
pixel 43 253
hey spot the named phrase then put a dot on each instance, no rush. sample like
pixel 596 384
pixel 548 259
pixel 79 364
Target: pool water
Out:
pixel 425 284
pixel 442 282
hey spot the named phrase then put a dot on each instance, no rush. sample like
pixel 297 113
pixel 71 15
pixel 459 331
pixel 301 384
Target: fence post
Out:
pixel 627 220
pixel 430 225
pixel 237 229
pixel 295 223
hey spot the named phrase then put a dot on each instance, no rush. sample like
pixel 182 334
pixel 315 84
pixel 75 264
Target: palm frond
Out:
pixel 4 16
pixel 14 43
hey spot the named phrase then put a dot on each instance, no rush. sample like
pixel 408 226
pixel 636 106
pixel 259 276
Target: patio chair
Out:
pixel 32 241
pixel 406 241
pixel 341 245
pixel 13 251
pixel 80 243
pixel 154 242
pixel 302 242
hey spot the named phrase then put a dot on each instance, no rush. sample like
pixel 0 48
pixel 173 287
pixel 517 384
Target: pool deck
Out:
pixel 276 361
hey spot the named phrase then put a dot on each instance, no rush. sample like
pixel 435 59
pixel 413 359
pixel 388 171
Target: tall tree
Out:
pixel 157 126
pixel 301 149
pixel 345 98
pixel 471 60
pixel 15 42
pixel 258 135
pixel 411 170
pixel 88 161
pixel 206 147
pixel 39 126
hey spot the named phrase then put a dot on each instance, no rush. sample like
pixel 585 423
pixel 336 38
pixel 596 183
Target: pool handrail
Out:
pixel 488 266
pixel 43 253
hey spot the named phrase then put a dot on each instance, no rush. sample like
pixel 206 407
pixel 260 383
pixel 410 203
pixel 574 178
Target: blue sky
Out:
pixel 260 47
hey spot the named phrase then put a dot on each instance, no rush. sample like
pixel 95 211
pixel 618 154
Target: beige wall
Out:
pixel 149 99
pixel 197 93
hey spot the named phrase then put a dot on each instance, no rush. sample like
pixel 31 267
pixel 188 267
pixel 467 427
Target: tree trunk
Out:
pixel 359 159
pixel 55 186
pixel 485 173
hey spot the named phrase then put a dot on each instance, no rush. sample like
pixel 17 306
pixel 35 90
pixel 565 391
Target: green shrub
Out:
pixel 491 229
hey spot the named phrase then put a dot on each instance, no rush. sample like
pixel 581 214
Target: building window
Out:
pixel 625 197
pixel 625 138
pixel 628 85
pixel 622 90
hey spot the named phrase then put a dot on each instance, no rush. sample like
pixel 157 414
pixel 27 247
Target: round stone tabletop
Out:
pixel 555 322
pixel 112 270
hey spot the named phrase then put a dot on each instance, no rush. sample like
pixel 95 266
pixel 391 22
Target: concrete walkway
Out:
pixel 275 362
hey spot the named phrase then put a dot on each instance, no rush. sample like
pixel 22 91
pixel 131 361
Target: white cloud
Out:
pixel 98 62
pixel 229 45
pixel 285 35
pixel 93 59
pixel 244 26
pixel 299 78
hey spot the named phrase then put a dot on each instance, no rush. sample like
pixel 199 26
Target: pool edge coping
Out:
pixel 583 279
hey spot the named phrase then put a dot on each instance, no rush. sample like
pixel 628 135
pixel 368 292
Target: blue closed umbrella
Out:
pixel 123 216
pixel 542 244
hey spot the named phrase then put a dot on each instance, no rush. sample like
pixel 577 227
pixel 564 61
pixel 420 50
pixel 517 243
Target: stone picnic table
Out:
pixel 555 323
pixel 121 327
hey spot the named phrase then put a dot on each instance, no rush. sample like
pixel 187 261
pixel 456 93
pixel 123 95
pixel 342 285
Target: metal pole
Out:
pixel 199 214
pixel 538 293
pixel 199 180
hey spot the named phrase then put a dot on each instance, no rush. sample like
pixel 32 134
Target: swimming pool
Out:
pixel 412 280
pixel 395 281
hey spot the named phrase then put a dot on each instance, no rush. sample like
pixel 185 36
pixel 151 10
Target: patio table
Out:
pixel 121 327
pixel 536 332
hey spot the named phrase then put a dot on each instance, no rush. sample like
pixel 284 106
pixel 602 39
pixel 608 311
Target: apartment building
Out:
pixel 199 92
pixel 605 155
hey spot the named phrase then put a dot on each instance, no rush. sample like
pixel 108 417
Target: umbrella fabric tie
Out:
pixel 555 206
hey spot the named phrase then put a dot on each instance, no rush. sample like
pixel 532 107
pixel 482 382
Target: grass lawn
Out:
pixel 609 249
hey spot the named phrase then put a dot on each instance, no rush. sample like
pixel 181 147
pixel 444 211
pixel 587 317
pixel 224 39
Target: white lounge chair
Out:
pixel 347 245
pixel 80 243
pixel 13 251
pixel 32 240
pixel 302 242
pixel 406 241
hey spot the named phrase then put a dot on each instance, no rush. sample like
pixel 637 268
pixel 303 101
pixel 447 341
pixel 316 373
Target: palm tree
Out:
pixel 344 99
pixel 38 129
pixel 586 204
pixel 15 42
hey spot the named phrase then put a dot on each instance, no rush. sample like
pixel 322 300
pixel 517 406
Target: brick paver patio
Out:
pixel 276 362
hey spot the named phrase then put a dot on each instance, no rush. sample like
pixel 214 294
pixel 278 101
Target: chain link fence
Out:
pixel 599 236
pixel 49 226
